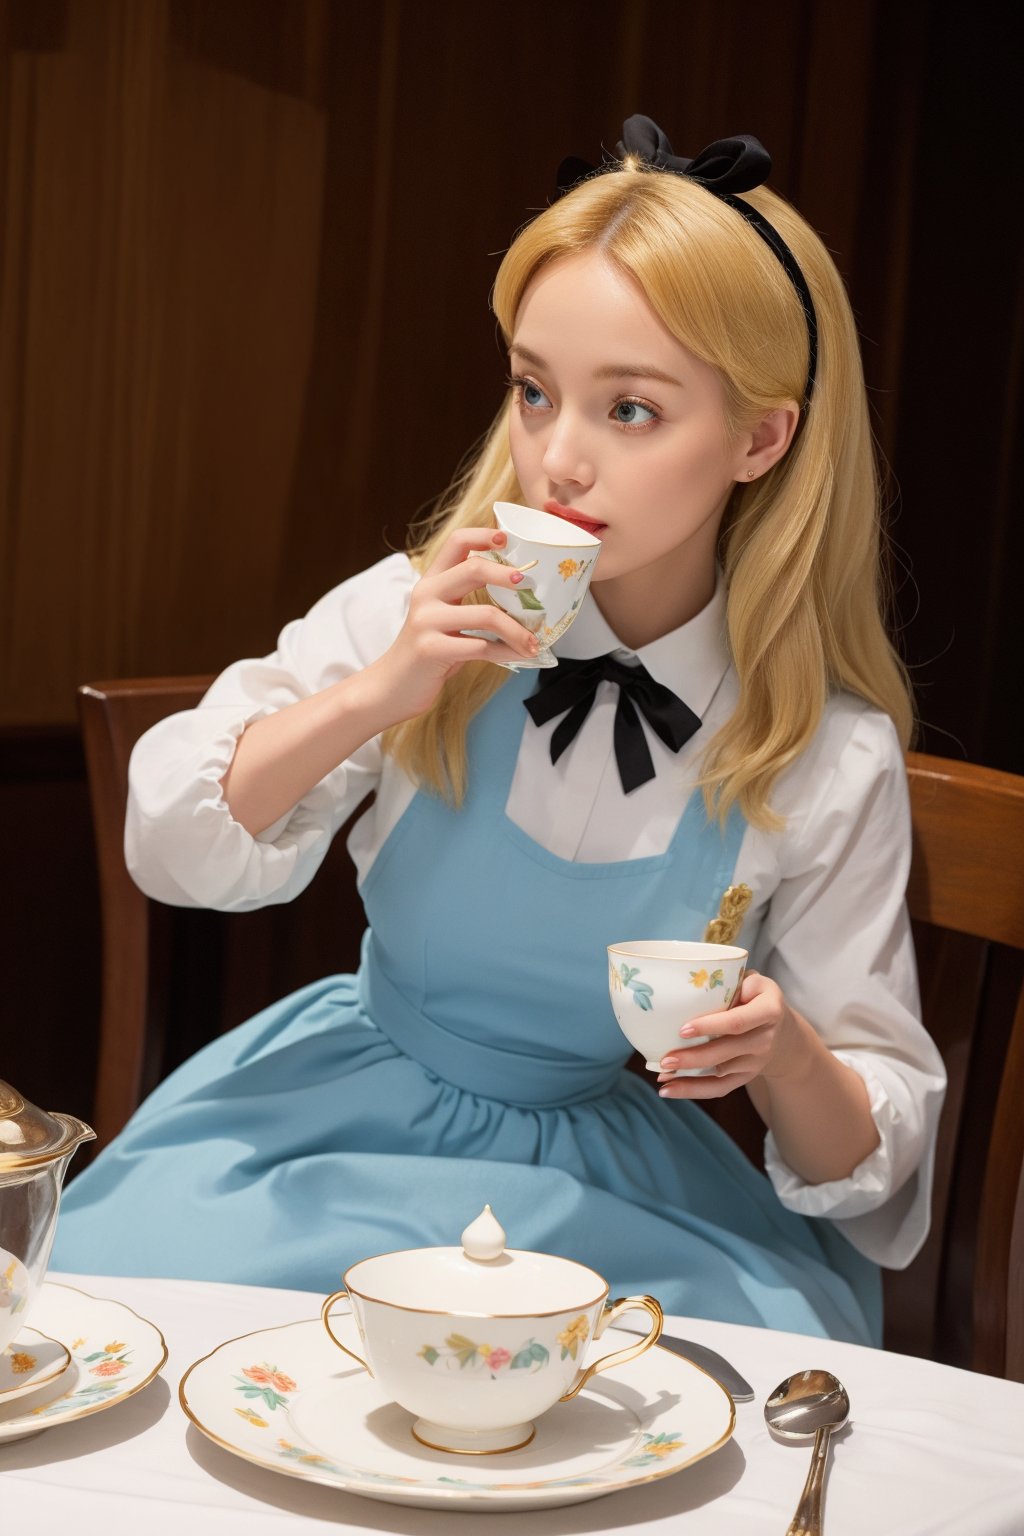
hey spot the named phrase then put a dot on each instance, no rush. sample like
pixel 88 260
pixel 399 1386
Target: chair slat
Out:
pixel 113 715
pixel 968 866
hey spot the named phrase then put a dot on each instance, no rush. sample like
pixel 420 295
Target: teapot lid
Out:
pixel 29 1137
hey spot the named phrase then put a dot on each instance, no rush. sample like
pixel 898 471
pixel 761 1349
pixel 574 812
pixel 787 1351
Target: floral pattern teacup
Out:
pixel 658 985
pixel 557 560
pixel 478 1350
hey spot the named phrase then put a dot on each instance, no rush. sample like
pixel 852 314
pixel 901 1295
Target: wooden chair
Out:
pixel 966 895
pixel 961 1301
pixel 198 972
pixel 113 716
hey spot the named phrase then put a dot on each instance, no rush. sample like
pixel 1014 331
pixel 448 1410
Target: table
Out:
pixel 930 1450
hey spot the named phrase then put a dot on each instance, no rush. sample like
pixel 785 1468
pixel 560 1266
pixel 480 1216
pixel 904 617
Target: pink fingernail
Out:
pixel 688 1029
pixel 663 1093
pixel 516 577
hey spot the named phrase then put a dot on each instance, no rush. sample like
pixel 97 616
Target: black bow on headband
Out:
pixel 728 165
pixel 725 167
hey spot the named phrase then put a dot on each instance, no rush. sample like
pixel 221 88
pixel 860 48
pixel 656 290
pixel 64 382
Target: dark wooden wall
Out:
pixel 245 252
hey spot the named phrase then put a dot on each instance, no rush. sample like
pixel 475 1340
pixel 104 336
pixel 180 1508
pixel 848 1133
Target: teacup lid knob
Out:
pixel 484 1238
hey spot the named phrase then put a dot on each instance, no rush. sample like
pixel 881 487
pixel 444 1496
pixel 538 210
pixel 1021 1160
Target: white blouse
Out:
pixel 828 921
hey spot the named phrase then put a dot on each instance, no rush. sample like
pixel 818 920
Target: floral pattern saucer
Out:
pixel 114 1354
pixel 29 1362
pixel 280 1398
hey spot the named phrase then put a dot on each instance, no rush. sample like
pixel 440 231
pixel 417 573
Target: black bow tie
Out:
pixel 572 686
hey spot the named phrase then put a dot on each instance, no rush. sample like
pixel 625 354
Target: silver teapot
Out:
pixel 35 1149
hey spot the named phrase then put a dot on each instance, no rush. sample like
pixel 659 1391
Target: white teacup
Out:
pixel 658 985
pixel 557 560
pixel 477 1350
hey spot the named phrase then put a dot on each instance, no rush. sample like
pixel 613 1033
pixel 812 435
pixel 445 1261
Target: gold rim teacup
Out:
pixel 658 985
pixel 476 1375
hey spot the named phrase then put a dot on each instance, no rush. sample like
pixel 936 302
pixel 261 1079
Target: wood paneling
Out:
pixel 246 249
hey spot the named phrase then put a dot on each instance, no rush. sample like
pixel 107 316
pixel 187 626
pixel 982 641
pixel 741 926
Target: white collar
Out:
pixel 691 660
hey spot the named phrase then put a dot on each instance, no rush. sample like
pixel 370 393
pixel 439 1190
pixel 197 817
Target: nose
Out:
pixel 566 459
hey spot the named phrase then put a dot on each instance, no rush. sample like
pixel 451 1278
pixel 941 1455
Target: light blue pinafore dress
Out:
pixel 474 1058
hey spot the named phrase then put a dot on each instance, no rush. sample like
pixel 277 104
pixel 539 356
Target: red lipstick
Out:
pixel 588 524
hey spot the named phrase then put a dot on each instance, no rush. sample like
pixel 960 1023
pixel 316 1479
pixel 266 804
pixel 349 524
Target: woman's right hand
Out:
pixel 430 647
pixel 280 757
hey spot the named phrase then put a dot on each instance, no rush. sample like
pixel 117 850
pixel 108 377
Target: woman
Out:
pixel 686 383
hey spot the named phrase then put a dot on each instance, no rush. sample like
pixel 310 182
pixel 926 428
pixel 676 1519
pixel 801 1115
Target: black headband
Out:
pixel 725 167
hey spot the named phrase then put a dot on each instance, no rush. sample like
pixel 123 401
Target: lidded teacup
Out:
pixel 35 1148
pixel 477 1341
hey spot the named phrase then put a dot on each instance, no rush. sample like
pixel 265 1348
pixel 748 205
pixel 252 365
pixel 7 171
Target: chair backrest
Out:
pixel 173 978
pixel 113 716
pixel 966 897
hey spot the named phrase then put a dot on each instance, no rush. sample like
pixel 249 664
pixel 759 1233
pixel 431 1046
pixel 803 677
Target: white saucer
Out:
pixel 285 1399
pixel 29 1362
pixel 114 1354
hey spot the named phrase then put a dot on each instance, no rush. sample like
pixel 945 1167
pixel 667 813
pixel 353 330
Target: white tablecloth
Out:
pixel 929 1450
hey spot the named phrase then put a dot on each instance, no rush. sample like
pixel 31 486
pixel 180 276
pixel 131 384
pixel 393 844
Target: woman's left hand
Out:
pixel 760 1035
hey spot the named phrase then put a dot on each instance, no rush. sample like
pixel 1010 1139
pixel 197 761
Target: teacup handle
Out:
pixel 324 1310
pixel 613 1310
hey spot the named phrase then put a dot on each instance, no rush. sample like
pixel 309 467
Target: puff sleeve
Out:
pixel 837 939
pixel 182 845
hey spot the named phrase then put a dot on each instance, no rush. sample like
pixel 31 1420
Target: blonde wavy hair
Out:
pixel 802 547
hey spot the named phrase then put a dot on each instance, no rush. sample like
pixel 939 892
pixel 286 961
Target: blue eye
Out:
pixel 626 413
pixel 528 393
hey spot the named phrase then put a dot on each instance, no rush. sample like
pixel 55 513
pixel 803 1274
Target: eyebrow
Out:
pixel 609 370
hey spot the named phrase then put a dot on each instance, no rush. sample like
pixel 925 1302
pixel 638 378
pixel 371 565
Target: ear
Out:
pixel 768 442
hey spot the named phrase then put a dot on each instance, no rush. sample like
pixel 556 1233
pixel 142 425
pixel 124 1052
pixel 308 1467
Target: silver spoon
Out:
pixel 809 1403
